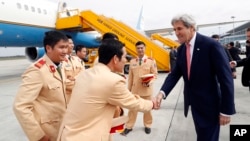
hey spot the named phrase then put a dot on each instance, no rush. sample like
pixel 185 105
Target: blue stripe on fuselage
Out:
pixel 26 36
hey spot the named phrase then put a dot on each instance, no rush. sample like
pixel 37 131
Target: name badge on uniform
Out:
pixel 68 65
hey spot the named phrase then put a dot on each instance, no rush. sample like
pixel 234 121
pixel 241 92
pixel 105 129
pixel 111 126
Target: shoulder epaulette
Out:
pixel 150 58
pixel 40 63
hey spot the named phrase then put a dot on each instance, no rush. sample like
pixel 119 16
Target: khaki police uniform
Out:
pixel 90 111
pixel 148 66
pixel 81 61
pixel 41 101
pixel 72 66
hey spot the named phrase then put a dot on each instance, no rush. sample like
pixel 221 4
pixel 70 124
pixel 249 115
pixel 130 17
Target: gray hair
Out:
pixel 187 20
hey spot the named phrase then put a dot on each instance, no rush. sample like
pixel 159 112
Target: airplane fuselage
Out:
pixel 24 22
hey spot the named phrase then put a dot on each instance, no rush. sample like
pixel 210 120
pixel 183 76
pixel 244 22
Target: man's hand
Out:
pixel 154 104
pixel 224 120
pixel 232 64
pixel 146 84
pixel 158 100
pixel 71 78
pixel 45 138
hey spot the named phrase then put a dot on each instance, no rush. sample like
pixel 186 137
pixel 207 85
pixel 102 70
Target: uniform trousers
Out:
pixel 147 117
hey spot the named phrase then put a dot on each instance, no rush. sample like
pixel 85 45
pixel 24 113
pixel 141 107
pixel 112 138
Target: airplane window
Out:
pixel 39 10
pixel 19 6
pixel 32 9
pixel 26 7
pixel 44 11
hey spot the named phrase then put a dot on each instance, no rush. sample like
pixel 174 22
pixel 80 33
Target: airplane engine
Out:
pixel 34 53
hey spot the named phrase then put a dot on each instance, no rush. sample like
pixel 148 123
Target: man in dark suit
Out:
pixel 173 57
pixel 245 77
pixel 208 84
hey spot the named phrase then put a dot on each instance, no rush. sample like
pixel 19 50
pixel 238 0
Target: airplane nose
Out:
pixel 98 38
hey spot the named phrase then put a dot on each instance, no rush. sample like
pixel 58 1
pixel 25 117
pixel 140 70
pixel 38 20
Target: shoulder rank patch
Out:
pixel 40 63
pixel 150 58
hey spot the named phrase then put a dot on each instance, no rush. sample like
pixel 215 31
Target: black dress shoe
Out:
pixel 126 131
pixel 147 130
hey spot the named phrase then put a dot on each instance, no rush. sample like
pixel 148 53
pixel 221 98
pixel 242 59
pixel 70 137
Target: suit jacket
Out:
pixel 147 66
pixel 234 52
pixel 210 88
pixel 93 103
pixel 245 77
pixel 40 101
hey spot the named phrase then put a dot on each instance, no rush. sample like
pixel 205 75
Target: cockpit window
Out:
pixel 32 9
pixel 44 11
pixel 26 7
pixel 39 10
pixel 19 6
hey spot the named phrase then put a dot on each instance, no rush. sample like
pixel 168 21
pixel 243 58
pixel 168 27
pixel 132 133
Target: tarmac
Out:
pixel 169 123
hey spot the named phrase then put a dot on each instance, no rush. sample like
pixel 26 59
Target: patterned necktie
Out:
pixel 188 55
pixel 140 61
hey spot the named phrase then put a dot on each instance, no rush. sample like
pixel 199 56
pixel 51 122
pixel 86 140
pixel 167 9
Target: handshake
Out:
pixel 157 101
pixel 233 64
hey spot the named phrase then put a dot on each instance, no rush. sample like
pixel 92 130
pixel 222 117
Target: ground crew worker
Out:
pixel 41 101
pixel 72 66
pixel 140 66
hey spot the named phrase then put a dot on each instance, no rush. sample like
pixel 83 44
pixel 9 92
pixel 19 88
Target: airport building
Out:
pixel 236 34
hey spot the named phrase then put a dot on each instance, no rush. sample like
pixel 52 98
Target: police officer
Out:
pixel 72 66
pixel 140 66
pixel 81 52
pixel 40 102
pixel 107 35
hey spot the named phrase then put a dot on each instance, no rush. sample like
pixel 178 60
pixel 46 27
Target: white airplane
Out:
pixel 24 22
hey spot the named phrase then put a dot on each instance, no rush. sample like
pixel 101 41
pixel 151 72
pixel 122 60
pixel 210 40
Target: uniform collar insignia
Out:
pixel 52 68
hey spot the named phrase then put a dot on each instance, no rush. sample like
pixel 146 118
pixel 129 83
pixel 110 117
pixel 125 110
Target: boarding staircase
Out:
pixel 166 41
pixel 88 20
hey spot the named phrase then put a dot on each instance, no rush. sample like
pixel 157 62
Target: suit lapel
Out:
pixel 195 57
pixel 183 60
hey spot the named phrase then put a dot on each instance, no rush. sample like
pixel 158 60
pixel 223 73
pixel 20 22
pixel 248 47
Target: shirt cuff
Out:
pixel 224 115
pixel 163 94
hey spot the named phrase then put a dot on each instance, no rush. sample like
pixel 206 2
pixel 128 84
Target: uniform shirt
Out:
pixel 148 66
pixel 71 67
pixel 40 101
